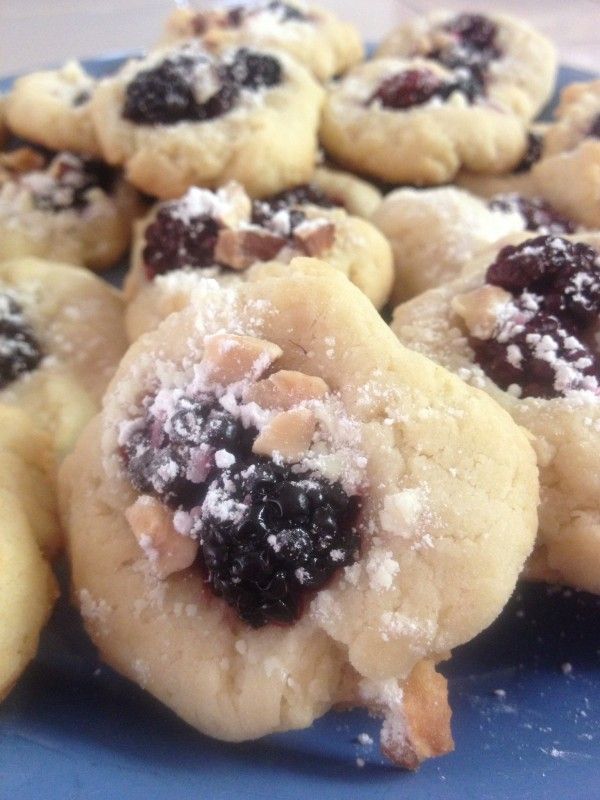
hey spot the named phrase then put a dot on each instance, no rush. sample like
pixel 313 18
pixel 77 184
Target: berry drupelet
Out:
pixel 20 351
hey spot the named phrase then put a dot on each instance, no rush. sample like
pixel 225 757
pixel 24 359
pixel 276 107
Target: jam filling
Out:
pixel 472 49
pixel 594 130
pixel 20 351
pixel 414 87
pixel 304 194
pixel 270 534
pixel 195 89
pixel 539 216
pixel 285 12
pixel 68 181
pixel 544 341
pixel 533 153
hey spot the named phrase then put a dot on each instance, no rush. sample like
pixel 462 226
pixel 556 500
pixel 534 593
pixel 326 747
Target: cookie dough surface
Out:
pixel 52 108
pixel 569 173
pixel 564 430
pixel 448 518
pixel 434 233
pixel 311 34
pixel 267 140
pixel 521 74
pixel 77 321
pixel 29 521
pixel 64 208
pixel 423 144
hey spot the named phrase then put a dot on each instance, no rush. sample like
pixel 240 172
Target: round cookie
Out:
pixel 530 348
pixel 434 233
pixel 314 36
pixel 568 175
pixel 64 207
pixel 29 522
pixel 427 490
pixel 242 114
pixel 222 234
pixel 414 121
pixel 520 180
pixel 357 196
pixel 513 62
pixel 52 108
pixel 62 336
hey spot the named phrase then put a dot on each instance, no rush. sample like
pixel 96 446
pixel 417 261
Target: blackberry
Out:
pixel 293 534
pixel 268 535
pixel 533 153
pixel 548 345
pixel 263 212
pixel 413 87
pixel 474 31
pixel 537 213
pixel 20 351
pixel 173 243
pixel 165 94
pixel 73 177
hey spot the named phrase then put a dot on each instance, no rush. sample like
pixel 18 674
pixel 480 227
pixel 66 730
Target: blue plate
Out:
pixel 525 695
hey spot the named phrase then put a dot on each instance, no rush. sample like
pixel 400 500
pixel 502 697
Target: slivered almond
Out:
pixel 479 309
pixel 288 434
pixel 237 206
pixel 314 237
pixel 229 357
pixel 239 249
pixel 285 389
pixel 152 526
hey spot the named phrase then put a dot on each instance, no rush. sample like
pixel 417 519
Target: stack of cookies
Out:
pixel 273 502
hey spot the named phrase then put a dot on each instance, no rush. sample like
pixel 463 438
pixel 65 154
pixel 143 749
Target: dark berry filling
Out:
pixel 285 12
pixel 413 87
pixel 538 215
pixel 594 131
pixel 304 194
pixel 533 153
pixel 70 179
pixel 173 243
pixel 472 48
pixel 269 534
pixel 167 94
pixel 20 351
pixel 546 343
pixel 81 98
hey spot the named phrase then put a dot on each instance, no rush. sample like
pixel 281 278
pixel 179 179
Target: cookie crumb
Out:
pixel 566 668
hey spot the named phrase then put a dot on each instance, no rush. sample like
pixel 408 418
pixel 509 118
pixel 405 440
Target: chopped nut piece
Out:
pixel 424 730
pixel 285 389
pixel 239 249
pixel 314 237
pixel 23 159
pixel 288 434
pixel 237 207
pixel 229 358
pixel 152 526
pixel 479 309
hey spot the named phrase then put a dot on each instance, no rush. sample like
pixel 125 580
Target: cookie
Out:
pixel 357 196
pixel 222 234
pixel 568 175
pixel 408 505
pixel 520 326
pixel 414 121
pixel 434 233
pixel 62 336
pixel 3 125
pixel 314 36
pixel 520 180
pixel 52 108
pixel 64 207
pixel 513 63
pixel 29 523
pixel 247 115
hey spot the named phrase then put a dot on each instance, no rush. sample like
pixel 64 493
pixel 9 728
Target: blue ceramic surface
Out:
pixel 525 696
